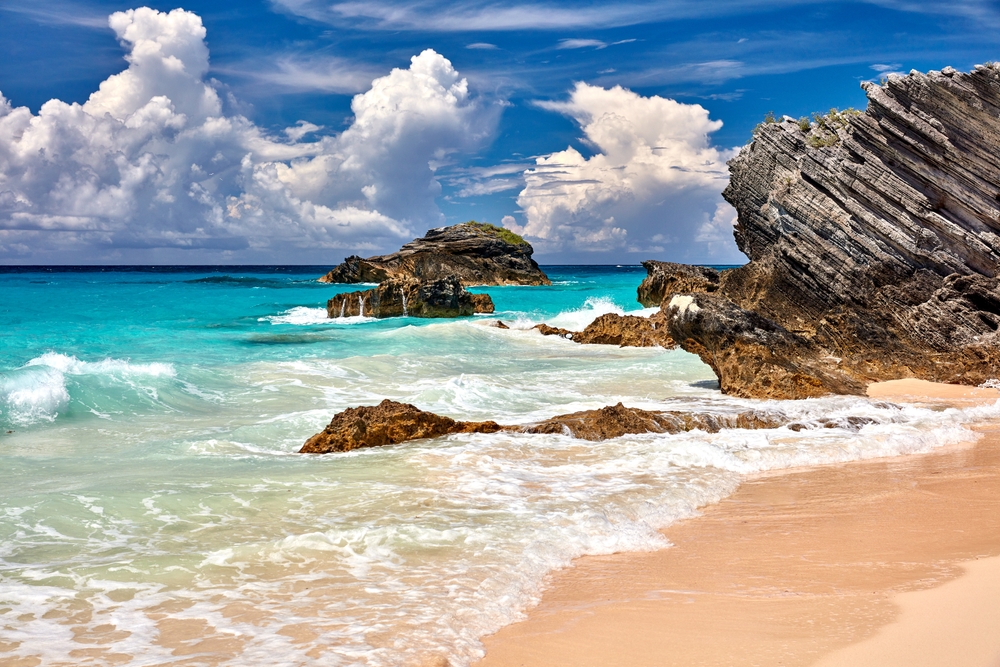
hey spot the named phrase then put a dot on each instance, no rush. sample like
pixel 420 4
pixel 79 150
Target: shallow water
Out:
pixel 154 509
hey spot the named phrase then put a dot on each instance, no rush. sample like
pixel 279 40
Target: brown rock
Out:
pixel 477 253
pixel 664 279
pixel 387 423
pixel 616 420
pixel 390 423
pixel 752 356
pixel 400 297
pixel 501 325
pixel 620 330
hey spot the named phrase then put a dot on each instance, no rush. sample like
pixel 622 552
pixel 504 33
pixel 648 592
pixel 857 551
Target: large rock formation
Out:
pixel 874 246
pixel 477 253
pixel 390 423
pixel 402 297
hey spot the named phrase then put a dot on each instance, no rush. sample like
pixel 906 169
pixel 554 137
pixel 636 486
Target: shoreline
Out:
pixel 821 565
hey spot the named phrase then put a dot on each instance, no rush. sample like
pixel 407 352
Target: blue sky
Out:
pixel 598 131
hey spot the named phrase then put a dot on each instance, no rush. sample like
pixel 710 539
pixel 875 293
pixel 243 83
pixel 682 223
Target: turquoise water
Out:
pixel 154 508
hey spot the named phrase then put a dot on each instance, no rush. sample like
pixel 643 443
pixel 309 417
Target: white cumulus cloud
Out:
pixel 153 160
pixel 653 183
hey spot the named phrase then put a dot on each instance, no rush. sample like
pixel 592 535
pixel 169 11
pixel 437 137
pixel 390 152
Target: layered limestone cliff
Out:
pixel 874 246
pixel 477 253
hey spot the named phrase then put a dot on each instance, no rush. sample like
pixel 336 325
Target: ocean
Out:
pixel 153 508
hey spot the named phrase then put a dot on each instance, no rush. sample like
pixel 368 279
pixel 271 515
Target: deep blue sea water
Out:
pixel 153 505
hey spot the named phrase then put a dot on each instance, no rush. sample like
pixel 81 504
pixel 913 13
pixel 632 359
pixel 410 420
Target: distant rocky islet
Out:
pixel 427 276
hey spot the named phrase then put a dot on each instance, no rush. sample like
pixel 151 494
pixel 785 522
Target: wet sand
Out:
pixel 886 562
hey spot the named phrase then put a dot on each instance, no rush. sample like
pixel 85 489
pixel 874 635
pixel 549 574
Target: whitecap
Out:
pixel 113 367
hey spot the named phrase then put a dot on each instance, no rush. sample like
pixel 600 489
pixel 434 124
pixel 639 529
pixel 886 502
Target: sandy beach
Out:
pixel 885 562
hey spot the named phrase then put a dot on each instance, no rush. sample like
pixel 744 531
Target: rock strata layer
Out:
pixel 390 423
pixel 407 297
pixel 874 246
pixel 477 253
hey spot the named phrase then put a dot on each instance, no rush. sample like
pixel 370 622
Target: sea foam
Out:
pixel 306 316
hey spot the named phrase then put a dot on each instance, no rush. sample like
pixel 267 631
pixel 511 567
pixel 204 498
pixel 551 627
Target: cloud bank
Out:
pixel 155 159
pixel 653 184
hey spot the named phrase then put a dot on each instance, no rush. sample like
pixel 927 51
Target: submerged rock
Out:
pixel 399 297
pixel 615 421
pixel 477 253
pixel 620 330
pixel 874 246
pixel 387 423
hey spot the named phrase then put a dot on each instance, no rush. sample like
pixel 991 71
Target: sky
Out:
pixel 303 131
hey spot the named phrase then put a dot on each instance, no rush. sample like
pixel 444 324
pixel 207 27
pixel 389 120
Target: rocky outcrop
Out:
pixel 408 297
pixel 615 421
pixel 664 279
pixel 752 356
pixel 477 253
pixel 620 330
pixel 874 246
pixel 388 423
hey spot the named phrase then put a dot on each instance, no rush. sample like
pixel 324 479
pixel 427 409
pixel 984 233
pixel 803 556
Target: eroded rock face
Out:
pixel 390 423
pixel 478 254
pixel 752 356
pixel 664 279
pixel 620 330
pixel 387 423
pixel 400 297
pixel 874 241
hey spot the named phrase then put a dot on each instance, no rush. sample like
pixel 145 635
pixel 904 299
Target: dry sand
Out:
pixel 887 562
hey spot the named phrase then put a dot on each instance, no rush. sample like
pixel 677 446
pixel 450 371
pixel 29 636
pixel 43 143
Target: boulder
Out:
pixel 477 253
pixel 402 297
pixel 620 330
pixel 387 423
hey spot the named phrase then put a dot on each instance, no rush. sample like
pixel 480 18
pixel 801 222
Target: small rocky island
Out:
pixel 476 253
pixel 410 297
pixel 428 276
